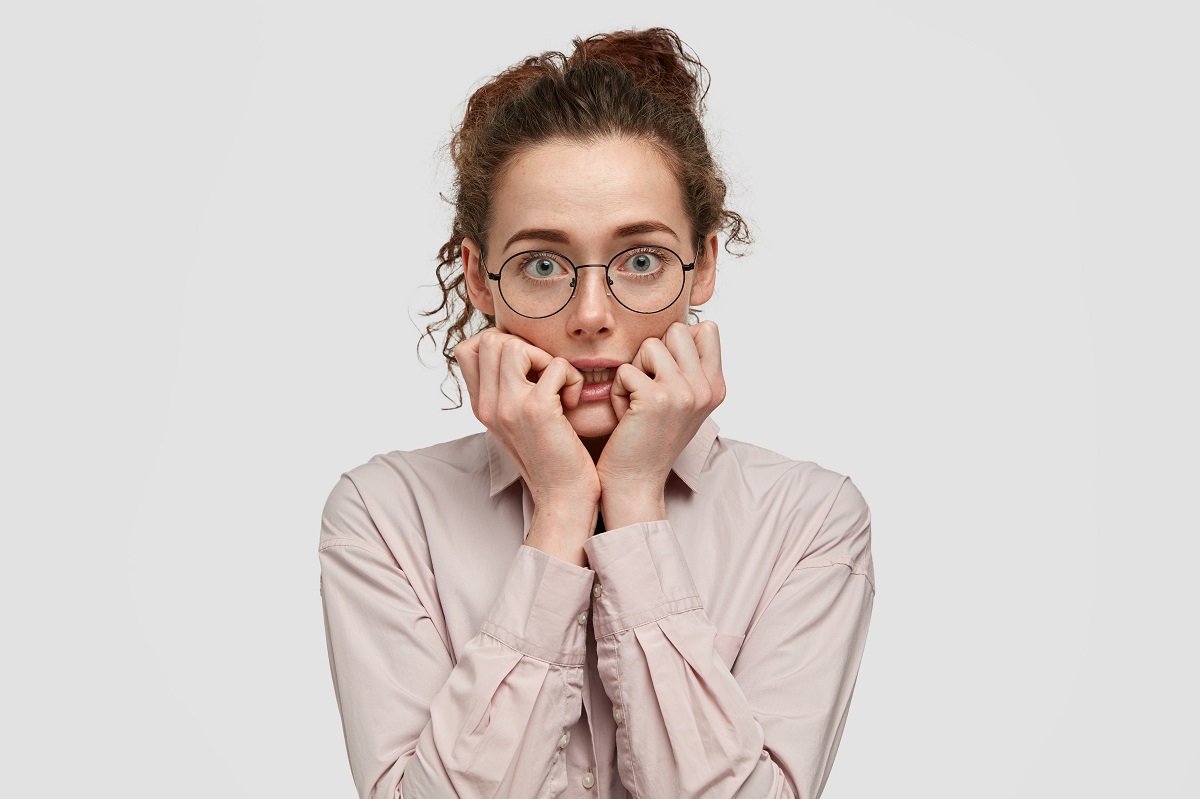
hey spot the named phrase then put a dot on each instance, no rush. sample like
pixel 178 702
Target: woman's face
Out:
pixel 589 201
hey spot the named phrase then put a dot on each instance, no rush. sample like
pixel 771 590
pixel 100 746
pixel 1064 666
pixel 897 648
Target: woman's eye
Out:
pixel 542 267
pixel 642 263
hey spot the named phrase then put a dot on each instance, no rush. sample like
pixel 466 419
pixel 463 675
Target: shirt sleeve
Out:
pixel 687 725
pixel 419 723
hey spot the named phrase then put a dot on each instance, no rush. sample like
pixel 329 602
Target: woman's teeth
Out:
pixel 591 376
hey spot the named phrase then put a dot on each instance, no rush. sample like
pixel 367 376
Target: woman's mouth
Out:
pixel 597 384
pixel 597 375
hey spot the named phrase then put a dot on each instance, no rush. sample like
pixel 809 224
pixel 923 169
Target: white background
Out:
pixel 971 291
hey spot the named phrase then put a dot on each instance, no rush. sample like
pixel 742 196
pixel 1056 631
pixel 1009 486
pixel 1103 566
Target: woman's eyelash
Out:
pixel 529 258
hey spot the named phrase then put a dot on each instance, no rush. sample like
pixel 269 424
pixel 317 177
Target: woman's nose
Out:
pixel 591 306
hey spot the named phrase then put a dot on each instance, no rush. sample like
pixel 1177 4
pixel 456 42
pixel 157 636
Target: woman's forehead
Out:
pixel 587 192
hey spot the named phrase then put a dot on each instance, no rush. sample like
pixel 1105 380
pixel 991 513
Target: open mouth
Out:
pixel 593 376
pixel 597 384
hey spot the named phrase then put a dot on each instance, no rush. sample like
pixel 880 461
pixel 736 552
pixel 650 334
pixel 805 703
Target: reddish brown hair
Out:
pixel 642 84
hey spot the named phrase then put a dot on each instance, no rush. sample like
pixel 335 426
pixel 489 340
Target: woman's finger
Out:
pixel 708 347
pixel 489 374
pixel 518 358
pixel 628 380
pixel 681 344
pixel 466 355
pixel 560 381
pixel 656 361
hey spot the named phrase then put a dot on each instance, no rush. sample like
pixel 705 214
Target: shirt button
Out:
pixel 589 779
pixel 564 740
pixel 618 716
pixel 597 590
pixel 582 619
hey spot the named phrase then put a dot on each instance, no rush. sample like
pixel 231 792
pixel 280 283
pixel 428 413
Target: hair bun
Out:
pixel 657 59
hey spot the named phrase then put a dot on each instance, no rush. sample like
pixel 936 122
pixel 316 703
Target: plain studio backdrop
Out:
pixel 970 291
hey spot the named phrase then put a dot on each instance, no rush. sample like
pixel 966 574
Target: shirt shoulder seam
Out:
pixel 855 568
pixel 350 542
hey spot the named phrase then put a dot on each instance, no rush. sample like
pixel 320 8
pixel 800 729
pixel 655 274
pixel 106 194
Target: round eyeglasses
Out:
pixel 540 283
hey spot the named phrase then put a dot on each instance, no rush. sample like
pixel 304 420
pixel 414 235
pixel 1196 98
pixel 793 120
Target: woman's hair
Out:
pixel 637 84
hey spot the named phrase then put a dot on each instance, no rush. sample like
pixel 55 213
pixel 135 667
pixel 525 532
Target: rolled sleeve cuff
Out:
pixel 540 607
pixel 642 575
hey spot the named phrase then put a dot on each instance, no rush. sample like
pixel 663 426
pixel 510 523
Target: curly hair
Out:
pixel 639 84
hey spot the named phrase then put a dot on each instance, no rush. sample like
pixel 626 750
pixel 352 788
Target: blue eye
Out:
pixel 643 263
pixel 542 267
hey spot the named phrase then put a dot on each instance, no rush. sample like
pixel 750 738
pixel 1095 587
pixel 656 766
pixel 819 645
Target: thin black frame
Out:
pixel 575 278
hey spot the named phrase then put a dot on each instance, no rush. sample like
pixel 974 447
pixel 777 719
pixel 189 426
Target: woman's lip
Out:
pixel 596 363
pixel 596 391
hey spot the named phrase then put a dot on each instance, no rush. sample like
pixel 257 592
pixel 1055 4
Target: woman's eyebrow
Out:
pixel 538 234
pixel 648 226
pixel 559 237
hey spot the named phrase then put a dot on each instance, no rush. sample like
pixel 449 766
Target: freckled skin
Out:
pixel 587 191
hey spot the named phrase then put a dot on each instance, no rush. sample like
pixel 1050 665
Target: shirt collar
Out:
pixel 687 466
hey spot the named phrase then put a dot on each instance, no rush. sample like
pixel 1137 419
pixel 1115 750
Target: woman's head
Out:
pixel 641 88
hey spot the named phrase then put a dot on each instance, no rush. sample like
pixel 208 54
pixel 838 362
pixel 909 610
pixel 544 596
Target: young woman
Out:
pixel 598 596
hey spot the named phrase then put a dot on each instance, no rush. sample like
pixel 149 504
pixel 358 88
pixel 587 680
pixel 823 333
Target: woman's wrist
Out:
pixel 560 529
pixel 622 504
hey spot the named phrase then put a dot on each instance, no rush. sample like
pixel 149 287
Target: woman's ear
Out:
pixel 706 270
pixel 478 290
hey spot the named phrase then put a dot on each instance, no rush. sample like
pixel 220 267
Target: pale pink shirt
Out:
pixel 713 654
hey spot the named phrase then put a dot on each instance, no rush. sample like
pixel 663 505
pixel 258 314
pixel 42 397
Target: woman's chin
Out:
pixel 592 419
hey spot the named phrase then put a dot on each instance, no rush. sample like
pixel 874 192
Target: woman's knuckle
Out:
pixel 530 406
pixel 505 412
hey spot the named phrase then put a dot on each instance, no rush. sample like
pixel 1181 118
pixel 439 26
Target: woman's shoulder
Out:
pixel 431 465
pixel 389 491
pixel 764 468
pixel 823 507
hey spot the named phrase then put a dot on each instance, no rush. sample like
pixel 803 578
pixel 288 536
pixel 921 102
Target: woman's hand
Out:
pixel 526 416
pixel 660 399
